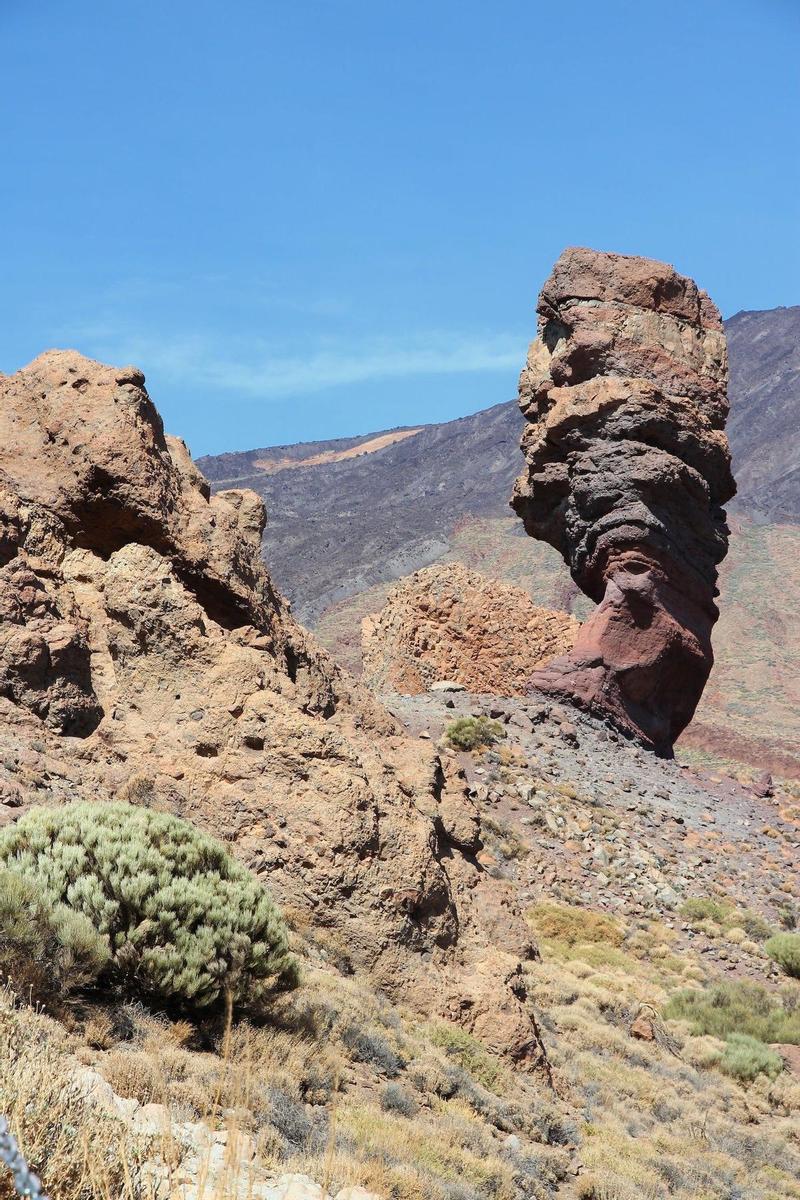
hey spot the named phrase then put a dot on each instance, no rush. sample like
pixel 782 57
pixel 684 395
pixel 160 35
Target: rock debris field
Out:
pixel 573 810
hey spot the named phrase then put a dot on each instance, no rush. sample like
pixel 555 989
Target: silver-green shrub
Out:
pixel 46 950
pixel 184 922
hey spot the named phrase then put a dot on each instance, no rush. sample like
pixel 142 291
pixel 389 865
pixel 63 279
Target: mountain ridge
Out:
pixel 444 493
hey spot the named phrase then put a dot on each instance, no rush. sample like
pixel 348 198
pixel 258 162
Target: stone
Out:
pixel 448 624
pixel 138 621
pixel 153 1119
pixel 10 797
pixel 294 1187
pixel 627 469
pixel 762 785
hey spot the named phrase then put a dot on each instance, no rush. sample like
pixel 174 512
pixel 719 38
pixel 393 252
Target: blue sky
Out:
pixel 321 217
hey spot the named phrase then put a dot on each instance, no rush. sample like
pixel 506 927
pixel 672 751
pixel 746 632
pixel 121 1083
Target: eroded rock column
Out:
pixel 627 469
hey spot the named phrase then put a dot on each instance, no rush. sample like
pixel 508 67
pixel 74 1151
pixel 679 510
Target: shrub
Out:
pixel 737 1007
pixel 746 1057
pixel 370 1047
pixel 470 1055
pixel 788 916
pixel 507 841
pixel 183 921
pixel 289 1117
pixel 755 926
pixel 703 908
pixel 471 733
pixel 397 1100
pixel 574 926
pixel 45 950
pixel 698 910
pixel 784 949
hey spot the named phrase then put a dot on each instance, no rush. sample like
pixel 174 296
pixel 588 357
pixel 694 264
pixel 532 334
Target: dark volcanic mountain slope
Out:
pixel 764 425
pixel 253 464
pixel 363 511
pixel 337 527
pixel 339 524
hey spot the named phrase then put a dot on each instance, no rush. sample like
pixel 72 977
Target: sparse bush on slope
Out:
pixel 704 912
pixel 784 949
pixel 183 921
pixel 737 1007
pixel 573 925
pixel 397 1099
pixel 746 1057
pixel 472 733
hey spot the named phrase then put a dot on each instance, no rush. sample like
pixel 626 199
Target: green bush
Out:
pixel 746 1057
pixel 470 733
pixel 698 909
pixel 184 923
pixel 470 1055
pixel 737 1007
pixel 784 949
pixel 703 908
pixel 45 950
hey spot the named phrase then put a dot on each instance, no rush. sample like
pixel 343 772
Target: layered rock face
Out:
pixel 627 467
pixel 448 622
pixel 144 654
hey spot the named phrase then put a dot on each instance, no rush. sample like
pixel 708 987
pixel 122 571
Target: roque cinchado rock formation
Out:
pixel 447 622
pixel 144 654
pixel 627 469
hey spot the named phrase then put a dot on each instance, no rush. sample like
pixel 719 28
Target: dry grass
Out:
pixel 351 1090
pixel 657 1118
pixel 76 1157
pixel 570 925
pixel 310 1094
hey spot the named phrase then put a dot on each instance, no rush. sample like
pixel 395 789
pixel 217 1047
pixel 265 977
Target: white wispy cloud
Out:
pixel 262 371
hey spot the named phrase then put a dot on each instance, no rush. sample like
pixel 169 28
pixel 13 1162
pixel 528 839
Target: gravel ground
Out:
pixel 573 810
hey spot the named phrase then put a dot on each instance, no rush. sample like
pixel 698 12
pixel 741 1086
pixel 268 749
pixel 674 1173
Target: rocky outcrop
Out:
pixel 627 469
pixel 145 653
pixel 448 622
pixel 202 1161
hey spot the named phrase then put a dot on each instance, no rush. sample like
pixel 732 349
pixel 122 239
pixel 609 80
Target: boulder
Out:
pixel 449 628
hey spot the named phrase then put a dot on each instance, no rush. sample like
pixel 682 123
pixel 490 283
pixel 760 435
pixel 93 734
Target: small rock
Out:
pixel 642 1029
pixel 11 797
pixel 295 1187
pixel 762 785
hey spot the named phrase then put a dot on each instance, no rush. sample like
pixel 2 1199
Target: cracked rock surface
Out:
pixel 448 622
pixel 145 655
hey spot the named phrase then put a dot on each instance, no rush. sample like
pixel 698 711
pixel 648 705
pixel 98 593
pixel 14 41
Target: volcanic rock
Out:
pixel 449 625
pixel 145 654
pixel 627 469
